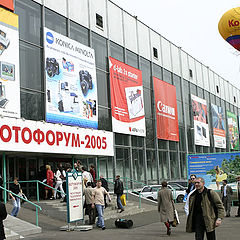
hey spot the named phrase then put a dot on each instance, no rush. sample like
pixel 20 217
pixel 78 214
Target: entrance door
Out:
pixel 105 167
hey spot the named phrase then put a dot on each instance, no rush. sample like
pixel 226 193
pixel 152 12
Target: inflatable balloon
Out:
pixel 229 27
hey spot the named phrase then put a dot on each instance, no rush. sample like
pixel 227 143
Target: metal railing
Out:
pixel 39 182
pixel 24 199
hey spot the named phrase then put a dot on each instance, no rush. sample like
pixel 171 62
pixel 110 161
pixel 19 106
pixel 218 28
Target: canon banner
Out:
pixel 9 65
pixel 71 85
pixel 233 131
pixel 166 110
pixel 126 99
pixel 200 119
pixel 219 132
pixel 41 137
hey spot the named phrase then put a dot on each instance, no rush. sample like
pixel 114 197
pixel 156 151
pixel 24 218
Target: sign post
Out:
pixel 74 197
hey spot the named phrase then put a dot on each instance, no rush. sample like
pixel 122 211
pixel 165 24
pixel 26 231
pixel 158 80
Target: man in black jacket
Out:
pixel 104 185
pixel 118 190
pixel 3 215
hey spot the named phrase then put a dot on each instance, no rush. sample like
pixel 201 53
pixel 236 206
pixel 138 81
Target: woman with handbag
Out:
pixel 166 206
pixel 50 178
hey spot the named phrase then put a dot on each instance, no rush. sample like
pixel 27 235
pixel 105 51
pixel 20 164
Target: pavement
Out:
pixel 146 226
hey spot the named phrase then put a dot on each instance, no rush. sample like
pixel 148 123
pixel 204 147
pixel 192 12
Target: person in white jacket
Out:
pixel 60 175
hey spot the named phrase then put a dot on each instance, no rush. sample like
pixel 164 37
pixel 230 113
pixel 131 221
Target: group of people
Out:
pixel 204 207
pixel 95 199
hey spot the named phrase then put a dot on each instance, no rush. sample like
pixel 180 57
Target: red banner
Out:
pixel 126 98
pixel 7 3
pixel 166 110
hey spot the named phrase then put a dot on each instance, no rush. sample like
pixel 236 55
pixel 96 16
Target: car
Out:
pixel 150 192
pixel 183 183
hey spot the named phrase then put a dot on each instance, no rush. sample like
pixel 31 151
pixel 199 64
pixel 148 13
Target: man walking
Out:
pixel 98 200
pixel 191 185
pixel 118 190
pixel 88 199
pixel 203 203
pixel 238 194
pixel 226 194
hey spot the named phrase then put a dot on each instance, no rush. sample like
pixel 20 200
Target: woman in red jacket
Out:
pixel 50 177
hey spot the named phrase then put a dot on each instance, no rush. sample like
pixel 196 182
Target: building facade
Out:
pixel 113 32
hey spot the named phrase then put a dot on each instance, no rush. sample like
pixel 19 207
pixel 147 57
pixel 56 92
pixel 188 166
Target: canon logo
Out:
pixel 233 23
pixel 165 109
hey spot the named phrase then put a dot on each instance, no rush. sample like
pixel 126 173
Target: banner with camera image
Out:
pixel 233 131
pixel 126 99
pixel 200 119
pixel 219 131
pixel 71 84
pixel 9 65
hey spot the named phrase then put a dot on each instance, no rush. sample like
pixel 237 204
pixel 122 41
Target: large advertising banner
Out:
pixel 200 119
pixel 71 85
pixel 166 110
pixel 126 99
pixel 9 65
pixel 17 135
pixel 74 196
pixel 219 132
pixel 215 167
pixel 233 131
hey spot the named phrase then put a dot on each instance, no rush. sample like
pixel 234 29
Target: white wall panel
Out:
pixel 221 87
pixel 130 32
pixel 211 82
pixel 191 63
pixel 185 69
pixel 216 81
pixel 115 25
pixel 98 7
pixel 143 40
pixel 155 43
pixel 230 87
pixel 199 74
pixel 238 98
pixel 59 6
pixel 175 60
pixel 205 78
pixel 234 95
pixel 166 54
pixel 226 90
pixel 78 12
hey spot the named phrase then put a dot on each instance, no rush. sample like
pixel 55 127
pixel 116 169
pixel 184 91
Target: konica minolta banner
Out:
pixel 9 65
pixel 126 98
pixel 71 85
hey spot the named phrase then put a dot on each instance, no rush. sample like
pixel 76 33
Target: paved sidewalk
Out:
pixel 146 226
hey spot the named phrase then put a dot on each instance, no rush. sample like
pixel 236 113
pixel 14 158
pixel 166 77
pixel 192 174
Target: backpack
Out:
pixel 212 203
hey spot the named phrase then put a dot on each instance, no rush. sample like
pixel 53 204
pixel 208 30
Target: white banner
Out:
pixel 200 119
pixel 9 65
pixel 74 196
pixel 30 136
pixel 71 84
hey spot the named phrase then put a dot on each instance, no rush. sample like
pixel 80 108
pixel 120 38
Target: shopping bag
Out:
pixel 123 199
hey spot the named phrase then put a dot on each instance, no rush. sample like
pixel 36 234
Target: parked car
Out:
pixel 183 183
pixel 150 192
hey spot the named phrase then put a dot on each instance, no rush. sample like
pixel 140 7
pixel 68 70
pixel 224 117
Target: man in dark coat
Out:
pixel 3 215
pixel 191 185
pixel 118 190
pixel 226 194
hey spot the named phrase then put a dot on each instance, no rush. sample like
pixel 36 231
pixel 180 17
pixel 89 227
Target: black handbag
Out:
pixel 123 223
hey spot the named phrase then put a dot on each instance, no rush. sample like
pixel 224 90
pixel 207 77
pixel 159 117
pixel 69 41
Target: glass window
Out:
pixel 138 165
pixel 177 84
pixel 218 101
pixel 150 139
pixel 174 166
pixel 103 89
pixel 163 165
pixel 55 22
pixel 172 145
pixel 116 51
pixel 162 144
pixel 183 164
pixel 182 144
pixel 200 92
pixel 79 33
pixel 123 162
pixel 146 72
pixel 193 89
pixel 167 76
pixel 121 139
pixel 151 168
pixel 32 105
pixel 190 137
pixel 148 103
pixel 31 67
pixel 30 20
pixel 132 59
pixel 104 119
pixel 186 92
pixel 188 114
pixel 146 189
pixel 100 46
pixel 137 141
pixel 157 71
pixel 212 98
pixel 180 112
pixel 198 149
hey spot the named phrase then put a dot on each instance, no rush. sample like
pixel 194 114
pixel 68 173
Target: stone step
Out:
pixel 10 235
pixel 21 227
